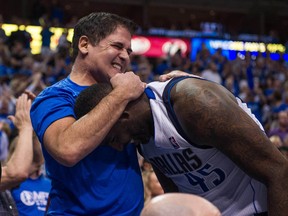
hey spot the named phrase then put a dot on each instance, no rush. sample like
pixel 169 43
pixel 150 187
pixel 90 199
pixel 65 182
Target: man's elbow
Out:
pixel 65 155
pixel 22 176
pixel 18 176
pixel 68 159
pixel 12 179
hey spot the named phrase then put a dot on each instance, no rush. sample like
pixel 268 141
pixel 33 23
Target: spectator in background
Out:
pixel 22 77
pixel 152 187
pixel 29 77
pixel 4 62
pixel 20 165
pixel 276 140
pixel 203 57
pixel 161 67
pixel 21 35
pixel 255 101
pixel 179 204
pixel 244 90
pixel 144 71
pixel 18 53
pixel 58 66
pixel 46 38
pixel 63 42
pixel 269 87
pixel 7 101
pixel 280 126
pixel 176 60
pixel 36 84
pixel 5 132
pixel 32 194
pixel 211 73
pixel 220 60
pixel 278 102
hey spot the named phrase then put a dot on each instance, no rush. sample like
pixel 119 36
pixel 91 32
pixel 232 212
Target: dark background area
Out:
pixel 260 17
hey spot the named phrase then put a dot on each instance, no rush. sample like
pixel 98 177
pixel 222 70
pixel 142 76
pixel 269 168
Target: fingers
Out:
pixel 22 114
pixel 23 103
pixel 30 95
pixel 11 118
pixel 172 74
pixel 128 83
pixel 165 77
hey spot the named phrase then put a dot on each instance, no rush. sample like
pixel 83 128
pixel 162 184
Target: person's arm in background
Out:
pixel 217 120
pixel 69 141
pixel 17 168
pixel 166 183
pixel 38 158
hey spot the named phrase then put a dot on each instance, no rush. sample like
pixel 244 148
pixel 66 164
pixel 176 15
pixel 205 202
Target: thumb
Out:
pixel 12 118
pixel 164 77
pixel 30 94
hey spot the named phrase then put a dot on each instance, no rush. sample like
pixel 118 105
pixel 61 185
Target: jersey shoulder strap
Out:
pixel 169 107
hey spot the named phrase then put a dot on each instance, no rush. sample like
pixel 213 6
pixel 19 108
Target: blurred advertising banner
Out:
pixel 233 49
pixel 142 45
pixel 35 31
pixel 159 46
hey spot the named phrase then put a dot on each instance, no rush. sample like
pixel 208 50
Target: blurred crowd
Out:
pixel 258 80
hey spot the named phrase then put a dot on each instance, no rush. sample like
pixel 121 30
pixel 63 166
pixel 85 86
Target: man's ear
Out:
pixel 83 44
pixel 125 116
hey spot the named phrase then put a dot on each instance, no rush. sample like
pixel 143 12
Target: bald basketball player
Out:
pixel 179 204
pixel 202 140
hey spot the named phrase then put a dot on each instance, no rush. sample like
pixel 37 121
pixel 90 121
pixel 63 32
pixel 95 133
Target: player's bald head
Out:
pixel 179 204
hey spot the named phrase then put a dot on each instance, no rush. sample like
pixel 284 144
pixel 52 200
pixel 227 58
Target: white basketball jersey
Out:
pixel 205 172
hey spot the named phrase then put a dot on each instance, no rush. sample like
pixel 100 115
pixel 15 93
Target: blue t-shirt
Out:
pixel 106 182
pixel 31 196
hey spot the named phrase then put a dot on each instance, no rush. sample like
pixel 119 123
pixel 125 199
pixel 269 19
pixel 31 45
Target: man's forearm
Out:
pixel 69 141
pixel 18 166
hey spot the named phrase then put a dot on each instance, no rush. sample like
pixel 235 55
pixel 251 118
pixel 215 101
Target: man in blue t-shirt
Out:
pixel 32 195
pixel 89 178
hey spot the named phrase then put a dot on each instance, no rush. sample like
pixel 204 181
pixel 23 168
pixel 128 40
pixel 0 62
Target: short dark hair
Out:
pixel 97 26
pixel 90 97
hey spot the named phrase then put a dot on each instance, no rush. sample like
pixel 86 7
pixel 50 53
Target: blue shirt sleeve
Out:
pixel 51 105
